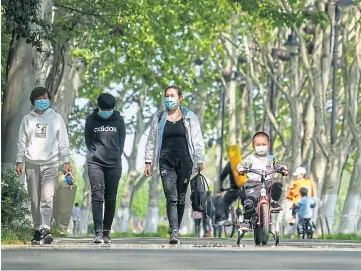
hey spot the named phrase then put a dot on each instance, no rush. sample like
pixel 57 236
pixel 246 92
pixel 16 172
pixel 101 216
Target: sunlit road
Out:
pixel 201 254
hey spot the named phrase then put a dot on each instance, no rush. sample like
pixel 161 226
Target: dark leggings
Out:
pixel 252 195
pixel 230 197
pixel 197 225
pixel 175 171
pixel 104 183
pixel 217 229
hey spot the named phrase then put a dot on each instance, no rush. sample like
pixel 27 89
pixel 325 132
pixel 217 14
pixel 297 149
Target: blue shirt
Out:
pixel 305 210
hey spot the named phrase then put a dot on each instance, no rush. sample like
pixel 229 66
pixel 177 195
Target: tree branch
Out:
pixel 89 13
pixel 126 157
pixel 223 36
pixel 304 57
pixel 140 183
pixel 274 78
pixel 323 146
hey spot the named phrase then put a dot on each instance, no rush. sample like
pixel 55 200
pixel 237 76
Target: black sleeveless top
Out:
pixel 174 137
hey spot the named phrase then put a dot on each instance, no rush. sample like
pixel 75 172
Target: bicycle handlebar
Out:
pixel 262 172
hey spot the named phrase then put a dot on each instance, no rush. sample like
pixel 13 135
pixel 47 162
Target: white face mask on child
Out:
pixel 261 150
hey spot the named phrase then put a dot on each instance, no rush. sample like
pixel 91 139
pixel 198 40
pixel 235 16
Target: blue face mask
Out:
pixel 42 104
pixel 105 114
pixel 170 103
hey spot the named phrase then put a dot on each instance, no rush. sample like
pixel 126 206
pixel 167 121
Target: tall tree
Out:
pixel 29 24
pixel 351 75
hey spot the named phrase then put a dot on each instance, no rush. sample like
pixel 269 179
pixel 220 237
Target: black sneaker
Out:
pixel 98 239
pixel 106 238
pixel 275 206
pixel 46 237
pixel 174 238
pixel 36 239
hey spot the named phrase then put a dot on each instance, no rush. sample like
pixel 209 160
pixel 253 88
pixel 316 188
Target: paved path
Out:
pixel 201 254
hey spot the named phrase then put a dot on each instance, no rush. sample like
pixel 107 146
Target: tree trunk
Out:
pixel 232 84
pixel 43 60
pixel 318 169
pixel 67 90
pixel 332 184
pixel 16 105
pixel 352 206
pixel 242 116
pixel 348 221
pixel 187 225
pixel 24 74
pixel 85 217
pixel 124 214
pixel 340 150
pixel 249 88
pixel 232 113
pixel 296 108
pixel 309 127
pixel 218 147
pixel 152 218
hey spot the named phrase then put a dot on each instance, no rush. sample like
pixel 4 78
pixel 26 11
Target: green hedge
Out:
pixel 16 235
pixel 14 200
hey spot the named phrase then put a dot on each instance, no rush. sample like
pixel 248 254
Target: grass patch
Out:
pixel 21 235
pixel 341 236
pixel 16 235
pixel 58 233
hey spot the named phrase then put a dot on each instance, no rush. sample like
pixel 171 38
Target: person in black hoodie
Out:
pixel 104 138
pixel 231 195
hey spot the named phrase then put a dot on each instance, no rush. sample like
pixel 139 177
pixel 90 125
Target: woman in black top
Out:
pixel 175 142
pixel 104 138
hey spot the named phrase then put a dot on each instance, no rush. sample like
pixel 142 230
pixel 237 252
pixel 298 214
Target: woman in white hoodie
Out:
pixel 42 138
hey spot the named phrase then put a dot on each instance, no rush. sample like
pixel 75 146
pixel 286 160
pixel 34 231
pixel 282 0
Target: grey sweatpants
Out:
pixel 41 182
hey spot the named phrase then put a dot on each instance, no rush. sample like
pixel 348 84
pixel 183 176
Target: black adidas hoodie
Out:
pixel 104 139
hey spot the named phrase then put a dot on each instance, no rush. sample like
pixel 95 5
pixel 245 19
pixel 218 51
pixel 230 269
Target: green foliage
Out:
pixel 140 202
pixel 20 18
pixel 342 194
pixel 14 200
pixel 15 234
pixel 5 44
pixel 121 186
pixel 341 236
pixel 76 127
pixel 80 183
pixel 144 51
pixel 272 12
pixel 275 15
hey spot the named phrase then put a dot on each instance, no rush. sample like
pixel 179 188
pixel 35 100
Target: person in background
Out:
pixel 217 214
pixel 76 217
pixel 104 137
pixel 197 216
pixel 294 193
pixel 305 206
pixel 231 195
pixel 42 139
pixel 175 144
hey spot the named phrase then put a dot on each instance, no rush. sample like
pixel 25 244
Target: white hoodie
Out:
pixel 42 138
